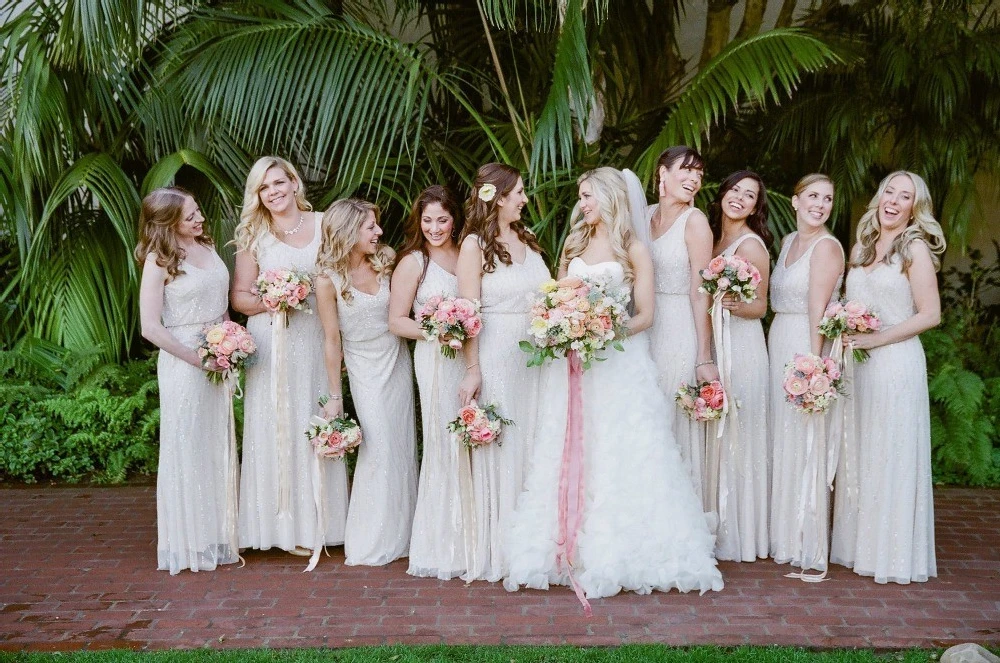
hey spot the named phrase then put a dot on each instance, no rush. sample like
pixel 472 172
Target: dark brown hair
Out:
pixel 415 241
pixel 757 221
pixel 688 156
pixel 481 215
pixel 161 213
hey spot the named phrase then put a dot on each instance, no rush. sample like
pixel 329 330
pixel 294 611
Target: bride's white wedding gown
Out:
pixel 642 528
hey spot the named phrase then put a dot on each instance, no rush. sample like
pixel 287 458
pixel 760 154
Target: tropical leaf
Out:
pixel 764 67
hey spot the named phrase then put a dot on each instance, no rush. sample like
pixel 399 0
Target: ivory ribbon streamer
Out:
pixel 571 479
pixel 465 493
pixel 719 478
pixel 808 502
pixel 279 376
pixel 318 477
pixel 233 472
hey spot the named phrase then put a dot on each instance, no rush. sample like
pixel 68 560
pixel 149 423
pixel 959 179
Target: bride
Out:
pixel 639 525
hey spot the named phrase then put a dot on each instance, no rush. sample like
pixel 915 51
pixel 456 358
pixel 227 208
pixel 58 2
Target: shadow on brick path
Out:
pixel 78 572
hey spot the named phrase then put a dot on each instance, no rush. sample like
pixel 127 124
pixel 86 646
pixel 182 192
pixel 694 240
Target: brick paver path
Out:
pixel 77 570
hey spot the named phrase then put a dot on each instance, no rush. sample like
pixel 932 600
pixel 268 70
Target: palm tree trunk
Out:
pixel 753 16
pixel 786 14
pixel 716 29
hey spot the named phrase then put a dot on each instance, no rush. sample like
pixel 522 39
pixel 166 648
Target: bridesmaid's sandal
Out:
pixel 299 551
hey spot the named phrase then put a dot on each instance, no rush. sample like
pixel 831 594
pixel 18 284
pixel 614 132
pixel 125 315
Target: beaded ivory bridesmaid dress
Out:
pixel 384 487
pixel 673 340
pixel 738 465
pixel 799 535
pixel 498 470
pixel 893 539
pixel 197 474
pixel 261 526
pixel 437 546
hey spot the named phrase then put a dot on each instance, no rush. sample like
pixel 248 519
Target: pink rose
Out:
pixel 441 315
pixel 473 326
pixel 873 322
pixel 447 305
pixel 302 291
pixel 467 414
pixel 486 435
pixel 743 274
pixel 293 301
pixel 805 364
pixel 222 362
pixel 795 385
pixel 724 282
pixel 833 310
pixel 686 399
pixel 228 346
pixel 247 345
pixel 854 307
pixel 465 307
pixel 819 385
pixel 716 265
pixel 455 344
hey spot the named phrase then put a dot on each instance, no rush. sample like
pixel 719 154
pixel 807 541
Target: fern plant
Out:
pixel 963 369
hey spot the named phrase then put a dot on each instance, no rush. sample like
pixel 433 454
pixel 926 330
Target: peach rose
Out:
pixel 467 414
pixel 215 335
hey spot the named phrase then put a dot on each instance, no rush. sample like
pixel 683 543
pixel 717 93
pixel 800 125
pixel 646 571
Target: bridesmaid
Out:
pixel 681 336
pixel 806 278
pixel 738 472
pixel 353 298
pixel 183 288
pixel 500 264
pixel 893 266
pixel 426 267
pixel 277 229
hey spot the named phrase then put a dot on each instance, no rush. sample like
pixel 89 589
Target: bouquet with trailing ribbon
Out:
pixel 582 315
pixel 852 316
pixel 477 426
pixel 283 290
pixel 811 383
pixel 226 348
pixel 703 401
pixel 450 321
pixel 730 274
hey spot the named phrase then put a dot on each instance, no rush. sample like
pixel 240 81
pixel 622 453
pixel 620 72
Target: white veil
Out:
pixel 638 204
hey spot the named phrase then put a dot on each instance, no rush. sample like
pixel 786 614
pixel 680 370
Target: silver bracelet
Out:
pixel 704 363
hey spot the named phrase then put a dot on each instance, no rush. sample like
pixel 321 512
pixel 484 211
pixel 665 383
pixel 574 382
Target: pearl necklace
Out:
pixel 297 228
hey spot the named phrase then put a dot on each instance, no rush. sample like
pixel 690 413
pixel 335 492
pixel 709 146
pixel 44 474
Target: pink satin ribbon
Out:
pixel 571 479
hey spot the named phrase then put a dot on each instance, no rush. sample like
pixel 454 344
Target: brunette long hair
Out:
pixel 757 221
pixel 162 211
pixel 688 156
pixel 415 241
pixel 481 215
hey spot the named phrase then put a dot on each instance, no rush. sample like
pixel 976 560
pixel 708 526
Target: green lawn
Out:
pixel 403 654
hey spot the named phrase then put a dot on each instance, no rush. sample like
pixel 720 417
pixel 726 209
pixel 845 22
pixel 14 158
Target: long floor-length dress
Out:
pixel 738 464
pixel 800 496
pixel 642 528
pixel 894 537
pixel 674 341
pixel 384 487
pixel 498 470
pixel 261 524
pixel 195 480
pixel 437 547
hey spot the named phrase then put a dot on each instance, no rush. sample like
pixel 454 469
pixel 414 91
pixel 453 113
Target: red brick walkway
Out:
pixel 78 572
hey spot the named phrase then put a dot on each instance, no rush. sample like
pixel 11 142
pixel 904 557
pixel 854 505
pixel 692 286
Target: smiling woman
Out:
pixel 278 230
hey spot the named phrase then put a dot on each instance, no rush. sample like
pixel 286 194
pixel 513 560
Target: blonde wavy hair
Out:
pixel 254 217
pixel 341 231
pixel 161 213
pixel 611 194
pixel 922 226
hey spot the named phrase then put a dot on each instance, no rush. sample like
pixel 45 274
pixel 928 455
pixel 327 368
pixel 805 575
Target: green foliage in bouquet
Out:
pixel 66 416
pixel 963 372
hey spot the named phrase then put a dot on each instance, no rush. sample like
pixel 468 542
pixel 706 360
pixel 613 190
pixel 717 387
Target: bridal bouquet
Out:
pixel 333 439
pixel 580 314
pixel 283 290
pixel 477 426
pixel 227 346
pixel 730 274
pixel 851 316
pixel 811 383
pixel 450 321
pixel 703 401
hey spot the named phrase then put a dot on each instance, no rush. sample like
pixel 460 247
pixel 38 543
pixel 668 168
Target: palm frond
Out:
pixel 764 67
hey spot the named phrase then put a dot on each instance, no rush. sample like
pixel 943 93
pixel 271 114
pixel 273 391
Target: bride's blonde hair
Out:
pixel 341 230
pixel 254 217
pixel 921 226
pixel 609 190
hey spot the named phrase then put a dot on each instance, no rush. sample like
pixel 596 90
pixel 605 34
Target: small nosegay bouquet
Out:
pixel 228 347
pixel 730 274
pixel 283 290
pixel 450 321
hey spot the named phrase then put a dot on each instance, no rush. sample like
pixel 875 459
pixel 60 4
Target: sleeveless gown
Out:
pixel 437 544
pixel 195 482
pixel 891 536
pixel 261 526
pixel 498 470
pixel 384 487
pixel 797 537
pixel 673 340
pixel 739 463
pixel 643 528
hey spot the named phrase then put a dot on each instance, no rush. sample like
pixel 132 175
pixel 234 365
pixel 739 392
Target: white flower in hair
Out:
pixel 487 192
